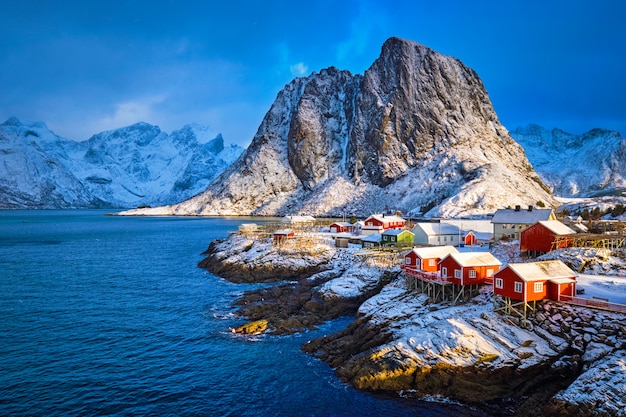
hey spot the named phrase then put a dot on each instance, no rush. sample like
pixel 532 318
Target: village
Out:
pixel 450 260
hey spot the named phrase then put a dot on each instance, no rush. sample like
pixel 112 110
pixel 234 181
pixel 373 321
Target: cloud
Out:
pixel 130 112
pixel 299 69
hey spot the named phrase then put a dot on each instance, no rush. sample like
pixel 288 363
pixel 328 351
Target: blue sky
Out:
pixel 83 67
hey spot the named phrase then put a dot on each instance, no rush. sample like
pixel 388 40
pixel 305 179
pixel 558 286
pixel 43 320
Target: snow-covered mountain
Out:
pixel 128 167
pixel 416 132
pixel 587 165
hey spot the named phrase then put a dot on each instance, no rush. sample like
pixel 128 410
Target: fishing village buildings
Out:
pixel 450 262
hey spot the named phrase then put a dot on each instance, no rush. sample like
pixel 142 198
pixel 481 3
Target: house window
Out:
pixel 499 283
pixel 538 286
pixel 407 261
pixel 518 287
pixel 457 273
pixel 444 272
pixel 445 238
pixel 490 272
pixel 472 273
pixel 432 262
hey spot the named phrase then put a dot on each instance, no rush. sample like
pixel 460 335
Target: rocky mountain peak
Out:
pixel 416 132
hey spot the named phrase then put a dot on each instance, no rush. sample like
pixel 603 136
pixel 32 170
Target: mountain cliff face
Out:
pixel 416 133
pixel 587 165
pixel 127 167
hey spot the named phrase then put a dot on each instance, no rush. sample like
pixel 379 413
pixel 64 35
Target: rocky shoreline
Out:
pixel 568 361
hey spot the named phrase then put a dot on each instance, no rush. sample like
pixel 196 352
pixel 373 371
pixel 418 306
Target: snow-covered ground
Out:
pixel 613 289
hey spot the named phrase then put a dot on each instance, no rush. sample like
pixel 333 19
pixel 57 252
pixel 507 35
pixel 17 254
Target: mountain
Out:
pixel 416 133
pixel 588 165
pixel 127 167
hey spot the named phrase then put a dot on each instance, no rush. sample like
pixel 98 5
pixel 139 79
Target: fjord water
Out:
pixel 104 315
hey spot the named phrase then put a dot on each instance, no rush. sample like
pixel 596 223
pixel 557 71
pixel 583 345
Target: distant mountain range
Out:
pixel 128 167
pixel 589 165
pixel 416 133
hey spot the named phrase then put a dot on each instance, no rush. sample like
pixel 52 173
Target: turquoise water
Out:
pixel 104 315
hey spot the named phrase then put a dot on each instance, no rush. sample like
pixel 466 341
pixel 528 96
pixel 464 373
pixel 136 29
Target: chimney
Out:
pixel 518 208
pixel 530 208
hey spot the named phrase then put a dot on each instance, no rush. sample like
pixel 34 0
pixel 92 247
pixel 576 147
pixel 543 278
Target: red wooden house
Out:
pixel 281 236
pixel 518 286
pixel 378 223
pixel 341 227
pixel 469 268
pixel 469 239
pixel 542 236
pixel 427 258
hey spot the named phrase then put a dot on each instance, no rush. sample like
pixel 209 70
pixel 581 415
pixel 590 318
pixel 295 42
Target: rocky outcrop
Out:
pixel 249 260
pixel 416 133
pixel 303 296
pixel 473 355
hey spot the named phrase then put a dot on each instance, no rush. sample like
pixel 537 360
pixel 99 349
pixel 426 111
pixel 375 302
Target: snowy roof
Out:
pixel 395 232
pixel 475 259
pixel 543 270
pixel 434 229
pixel 521 216
pixel 344 224
pixel 284 232
pixel 376 237
pixel 581 227
pixel 435 251
pixel 465 225
pixel 386 219
pixel 557 227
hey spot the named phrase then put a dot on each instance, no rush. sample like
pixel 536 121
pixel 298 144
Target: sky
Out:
pixel 83 67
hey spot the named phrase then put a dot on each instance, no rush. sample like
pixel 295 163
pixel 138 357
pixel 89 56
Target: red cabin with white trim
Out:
pixel 378 223
pixel 535 281
pixel 468 268
pixel 281 236
pixel 427 258
pixel 341 227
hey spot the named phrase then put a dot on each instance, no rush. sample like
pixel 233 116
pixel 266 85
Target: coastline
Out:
pixel 400 343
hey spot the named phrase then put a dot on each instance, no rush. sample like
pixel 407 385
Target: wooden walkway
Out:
pixel 599 304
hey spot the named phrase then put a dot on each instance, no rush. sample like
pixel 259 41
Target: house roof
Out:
pixel 385 219
pixel 344 224
pixel 284 232
pixel 435 229
pixel 466 225
pixel 580 227
pixel 466 259
pixel 522 216
pixel 376 237
pixel 557 227
pixel 434 251
pixel 543 270
pixel 396 232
